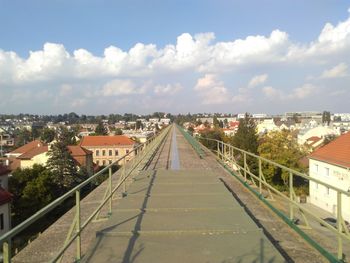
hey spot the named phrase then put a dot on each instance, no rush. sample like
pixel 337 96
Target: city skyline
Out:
pixel 87 59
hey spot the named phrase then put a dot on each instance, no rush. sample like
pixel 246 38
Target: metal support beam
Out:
pixel 291 190
pixel 78 225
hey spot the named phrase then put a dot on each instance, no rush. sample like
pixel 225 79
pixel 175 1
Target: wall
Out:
pixel 38 159
pixel 106 159
pixel 324 197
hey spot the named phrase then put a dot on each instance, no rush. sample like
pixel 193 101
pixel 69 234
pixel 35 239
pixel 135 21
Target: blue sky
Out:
pixel 176 56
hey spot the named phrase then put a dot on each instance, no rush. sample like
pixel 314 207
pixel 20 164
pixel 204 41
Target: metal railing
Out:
pixel 192 141
pixel 235 160
pixel 74 234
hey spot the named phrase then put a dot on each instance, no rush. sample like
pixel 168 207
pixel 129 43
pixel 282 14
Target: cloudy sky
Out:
pixel 100 57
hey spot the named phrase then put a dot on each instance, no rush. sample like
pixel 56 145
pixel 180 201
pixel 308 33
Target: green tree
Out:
pixel 215 134
pixel 62 166
pixel 190 130
pixel 246 139
pixel 139 125
pixel 216 122
pixel 22 137
pixel 32 189
pixel 326 117
pixel 282 148
pixel 47 135
pixel 100 129
pixel 118 131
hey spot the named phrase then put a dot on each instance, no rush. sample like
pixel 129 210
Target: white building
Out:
pixel 267 126
pixel 319 131
pixel 331 164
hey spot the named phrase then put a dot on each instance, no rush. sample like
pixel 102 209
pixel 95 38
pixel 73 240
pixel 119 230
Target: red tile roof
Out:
pixel 33 152
pixel 27 147
pixel 5 197
pixel 77 150
pixel 106 141
pixel 336 152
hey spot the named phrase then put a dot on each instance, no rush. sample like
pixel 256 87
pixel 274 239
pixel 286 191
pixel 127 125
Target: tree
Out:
pixel 47 135
pixel 326 117
pixel 215 134
pixel 246 139
pixel 22 137
pixel 216 122
pixel 32 189
pixel 100 129
pixel 118 131
pixel 66 136
pixel 139 125
pixel 190 130
pixel 62 166
pixel 282 148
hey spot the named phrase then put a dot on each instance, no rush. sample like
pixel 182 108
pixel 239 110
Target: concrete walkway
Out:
pixel 180 216
pixel 175 161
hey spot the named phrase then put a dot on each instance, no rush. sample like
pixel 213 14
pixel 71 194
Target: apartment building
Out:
pixel 108 149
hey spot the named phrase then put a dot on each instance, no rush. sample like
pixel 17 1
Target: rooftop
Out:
pixel 106 141
pixel 336 152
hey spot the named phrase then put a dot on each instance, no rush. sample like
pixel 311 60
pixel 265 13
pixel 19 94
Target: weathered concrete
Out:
pixel 167 214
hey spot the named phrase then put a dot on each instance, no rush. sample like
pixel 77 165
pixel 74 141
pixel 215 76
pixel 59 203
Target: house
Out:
pixel 331 164
pixel 266 126
pixel 108 149
pixel 36 152
pixel 319 131
pixel 25 148
pixel 5 201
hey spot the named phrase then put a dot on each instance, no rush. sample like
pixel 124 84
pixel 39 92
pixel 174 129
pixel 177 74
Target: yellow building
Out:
pixel 108 149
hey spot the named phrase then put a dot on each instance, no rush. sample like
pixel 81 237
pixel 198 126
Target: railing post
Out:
pixel 260 177
pixel 6 250
pixel 245 166
pixel 291 207
pixel 339 226
pixel 110 189
pixel 124 175
pixel 217 144
pixel 78 225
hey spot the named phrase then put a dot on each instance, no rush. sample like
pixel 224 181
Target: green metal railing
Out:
pixel 139 153
pixel 192 141
pixel 229 155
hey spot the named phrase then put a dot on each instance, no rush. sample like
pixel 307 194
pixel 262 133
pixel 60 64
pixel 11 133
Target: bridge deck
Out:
pixel 185 215
pixel 180 216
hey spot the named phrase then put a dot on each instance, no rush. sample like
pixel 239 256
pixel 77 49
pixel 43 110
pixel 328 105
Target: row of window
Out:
pixel 105 162
pixel 110 152
pixel 326 188
pixel 325 170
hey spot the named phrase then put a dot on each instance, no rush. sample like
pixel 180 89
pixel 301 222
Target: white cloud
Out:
pixel 339 70
pixel 298 93
pixel 169 89
pixel 212 90
pixel 257 80
pixel 118 87
pixel 65 90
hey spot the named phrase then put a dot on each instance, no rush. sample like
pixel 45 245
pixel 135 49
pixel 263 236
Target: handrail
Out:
pixel 229 157
pixel 195 145
pixel 305 176
pixel 5 239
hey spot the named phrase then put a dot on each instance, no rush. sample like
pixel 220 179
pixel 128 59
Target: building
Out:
pixel 5 201
pixel 108 149
pixel 319 131
pixel 331 164
pixel 36 152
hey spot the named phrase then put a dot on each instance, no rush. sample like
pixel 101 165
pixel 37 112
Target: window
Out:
pixel 326 171
pixel 327 190
pixel 110 152
pixel 127 151
pixel 116 153
pixel 98 162
pixel 1 221
pixel 97 152
pixel 316 185
pixel 110 161
pixel 103 152
pixel 315 168
pixel 104 162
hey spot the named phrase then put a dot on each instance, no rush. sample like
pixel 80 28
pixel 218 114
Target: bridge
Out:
pixel 177 201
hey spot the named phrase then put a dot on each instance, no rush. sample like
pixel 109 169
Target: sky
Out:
pixel 101 57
